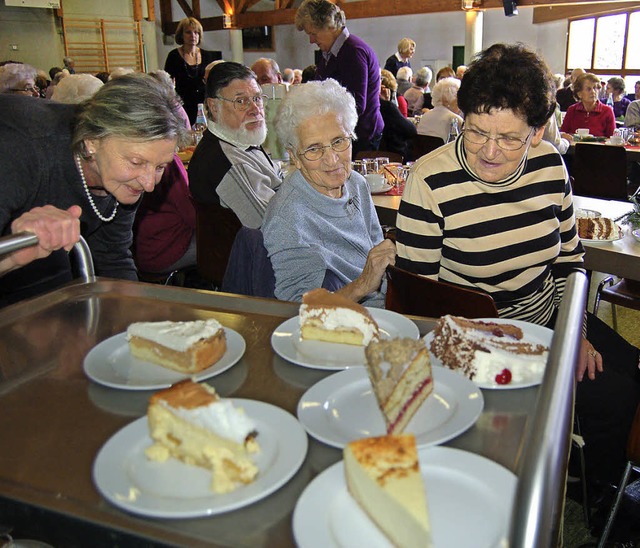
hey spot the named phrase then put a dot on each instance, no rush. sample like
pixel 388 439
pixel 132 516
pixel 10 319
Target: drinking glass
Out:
pixel 371 164
pixel 359 166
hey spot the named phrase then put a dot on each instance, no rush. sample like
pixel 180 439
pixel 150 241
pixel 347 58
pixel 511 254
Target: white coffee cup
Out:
pixel 582 132
pixel 376 181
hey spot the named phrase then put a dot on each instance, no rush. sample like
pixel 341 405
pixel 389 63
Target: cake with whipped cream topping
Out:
pixel 400 374
pixel 187 347
pixel 487 352
pixel 190 422
pixel 598 228
pixel 330 317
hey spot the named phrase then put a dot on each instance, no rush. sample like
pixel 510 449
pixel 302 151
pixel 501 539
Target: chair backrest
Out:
pixel 216 229
pixel 393 156
pixel 600 171
pixel 249 271
pixel 423 144
pixel 409 293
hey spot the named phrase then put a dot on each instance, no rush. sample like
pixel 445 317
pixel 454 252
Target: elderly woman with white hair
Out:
pixel 322 225
pixel 76 88
pixel 437 121
pixel 18 79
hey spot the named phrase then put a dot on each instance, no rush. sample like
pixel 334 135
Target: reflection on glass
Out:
pixel 633 43
pixel 610 41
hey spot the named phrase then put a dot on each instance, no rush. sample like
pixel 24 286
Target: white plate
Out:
pixel 171 489
pixel 111 364
pixel 531 332
pixel 343 408
pixel 470 500
pixel 582 213
pixel 384 188
pixel 600 242
pixel 286 342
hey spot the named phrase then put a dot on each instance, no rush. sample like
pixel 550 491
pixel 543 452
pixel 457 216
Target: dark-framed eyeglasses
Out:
pixel 243 103
pixel 505 143
pixel 315 152
pixel 28 88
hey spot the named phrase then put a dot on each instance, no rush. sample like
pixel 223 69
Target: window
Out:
pixel 606 45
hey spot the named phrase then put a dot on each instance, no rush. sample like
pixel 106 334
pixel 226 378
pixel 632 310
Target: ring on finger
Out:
pixel 592 352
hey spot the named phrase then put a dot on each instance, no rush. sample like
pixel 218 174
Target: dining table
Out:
pixel 55 419
pixel 620 257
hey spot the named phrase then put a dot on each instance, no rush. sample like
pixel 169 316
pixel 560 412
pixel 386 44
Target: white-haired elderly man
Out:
pixel 404 77
pixel 267 71
pixel 415 94
pixel 229 166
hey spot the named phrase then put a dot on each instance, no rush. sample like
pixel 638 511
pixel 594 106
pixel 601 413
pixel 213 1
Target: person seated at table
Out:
pixel 398 131
pixel 18 79
pixel 229 167
pixel 493 211
pixel 588 112
pixel 632 117
pixel 415 95
pixel 437 121
pixel 404 76
pixel 76 88
pixel 616 88
pixel 165 225
pixel 69 170
pixel 322 223
pixel 636 94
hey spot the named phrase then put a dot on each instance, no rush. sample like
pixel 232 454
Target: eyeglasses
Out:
pixel 30 89
pixel 505 143
pixel 315 152
pixel 243 103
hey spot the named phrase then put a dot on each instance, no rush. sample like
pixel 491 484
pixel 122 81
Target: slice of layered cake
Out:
pixel 400 374
pixel 383 476
pixel 487 352
pixel 330 317
pixel 187 347
pixel 190 422
pixel 598 228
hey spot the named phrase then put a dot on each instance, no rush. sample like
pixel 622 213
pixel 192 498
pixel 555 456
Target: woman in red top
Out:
pixel 589 112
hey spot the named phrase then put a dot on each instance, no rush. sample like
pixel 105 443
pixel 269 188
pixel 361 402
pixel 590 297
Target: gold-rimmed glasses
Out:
pixel 243 103
pixel 505 143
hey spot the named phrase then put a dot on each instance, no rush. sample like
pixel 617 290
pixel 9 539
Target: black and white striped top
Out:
pixel 515 239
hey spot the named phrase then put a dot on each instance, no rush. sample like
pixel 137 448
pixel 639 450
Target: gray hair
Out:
pixel 288 75
pixel 222 74
pixel 423 75
pixel 119 72
pixel 76 88
pixel 14 74
pixel 314 99
pixel 445 91
pixel 136 107
pixel 404 73
pixel 163 77
pixel 320 14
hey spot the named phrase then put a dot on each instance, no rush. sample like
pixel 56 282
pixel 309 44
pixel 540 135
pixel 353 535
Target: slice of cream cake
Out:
pixel 487 352
pixel 400 374
pixel 383 476
pixel 330 317
pixel 187 347
pixel 190 422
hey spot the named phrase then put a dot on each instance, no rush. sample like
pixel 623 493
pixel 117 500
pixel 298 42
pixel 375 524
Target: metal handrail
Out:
pixel 20 240
pixel 539 501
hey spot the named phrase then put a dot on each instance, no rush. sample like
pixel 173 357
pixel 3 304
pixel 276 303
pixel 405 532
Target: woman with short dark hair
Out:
pixel 493 211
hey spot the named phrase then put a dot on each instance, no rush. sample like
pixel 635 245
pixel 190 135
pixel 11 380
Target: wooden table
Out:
pixel 54 419
pixel 621 258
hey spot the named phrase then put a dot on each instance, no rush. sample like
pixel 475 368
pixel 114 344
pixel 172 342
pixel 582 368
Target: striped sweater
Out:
pixel 514 239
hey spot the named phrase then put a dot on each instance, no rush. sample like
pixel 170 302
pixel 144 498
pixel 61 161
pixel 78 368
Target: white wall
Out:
pixel 40 42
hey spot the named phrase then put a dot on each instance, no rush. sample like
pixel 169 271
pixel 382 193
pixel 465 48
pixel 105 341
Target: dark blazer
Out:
pixel 398 131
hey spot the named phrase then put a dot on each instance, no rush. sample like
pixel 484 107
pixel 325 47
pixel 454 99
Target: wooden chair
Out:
pixel 633 462
pixel 423 144
pixel 216 229
pixel 409 293
pixel 600 171
pixel 393 156
pixel 625 292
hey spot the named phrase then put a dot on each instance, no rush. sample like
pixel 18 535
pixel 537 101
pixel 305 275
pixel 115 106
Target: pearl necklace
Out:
pixel 90 197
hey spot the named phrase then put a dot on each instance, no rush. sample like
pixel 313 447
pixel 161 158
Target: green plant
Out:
pixel 633 217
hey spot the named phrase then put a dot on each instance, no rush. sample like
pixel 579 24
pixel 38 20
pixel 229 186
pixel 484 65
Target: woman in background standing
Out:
pixel 186 65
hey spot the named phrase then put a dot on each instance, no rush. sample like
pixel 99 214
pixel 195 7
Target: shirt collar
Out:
pixel 339 42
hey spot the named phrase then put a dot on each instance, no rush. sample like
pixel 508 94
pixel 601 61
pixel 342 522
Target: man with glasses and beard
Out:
pixel 229 166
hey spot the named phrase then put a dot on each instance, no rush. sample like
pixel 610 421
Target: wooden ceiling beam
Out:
pixel 556 13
